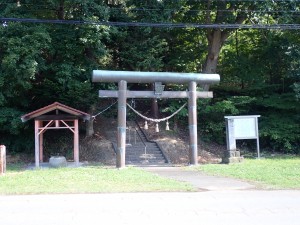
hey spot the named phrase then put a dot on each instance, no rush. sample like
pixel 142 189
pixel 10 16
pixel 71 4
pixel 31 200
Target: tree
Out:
pixel 259 65
pixel 42 63
pixel 140 48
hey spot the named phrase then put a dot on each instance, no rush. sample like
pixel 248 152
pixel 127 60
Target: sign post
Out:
pixel 237 128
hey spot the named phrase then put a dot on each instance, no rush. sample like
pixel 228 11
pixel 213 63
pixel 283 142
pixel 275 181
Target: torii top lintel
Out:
pixel 151 77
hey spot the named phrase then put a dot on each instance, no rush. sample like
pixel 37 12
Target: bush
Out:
pixel 211 115
pixel 280 133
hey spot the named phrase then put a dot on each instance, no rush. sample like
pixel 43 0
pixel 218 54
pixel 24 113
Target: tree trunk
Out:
pixel 61 10
pixel 154 108
pixel 89 125
pixel 215 43
pixel 154 105
pixel 175 128
pixel 217 37
pixel 89 128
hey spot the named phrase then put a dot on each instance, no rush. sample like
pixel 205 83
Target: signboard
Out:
pixel 241 127
pixel 245 128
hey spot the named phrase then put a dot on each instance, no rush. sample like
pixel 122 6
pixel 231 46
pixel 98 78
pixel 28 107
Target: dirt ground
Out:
pixel 175 144
pixel 99 149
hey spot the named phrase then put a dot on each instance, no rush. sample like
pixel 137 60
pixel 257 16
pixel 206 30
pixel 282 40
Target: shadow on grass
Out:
pixel 15 167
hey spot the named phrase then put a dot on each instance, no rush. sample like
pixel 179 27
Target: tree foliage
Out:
pixel 43 63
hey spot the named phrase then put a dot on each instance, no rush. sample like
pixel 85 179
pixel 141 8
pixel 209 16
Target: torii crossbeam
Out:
pixel 124 77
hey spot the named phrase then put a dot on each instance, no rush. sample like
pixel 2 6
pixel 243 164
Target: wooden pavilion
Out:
pixel 55 116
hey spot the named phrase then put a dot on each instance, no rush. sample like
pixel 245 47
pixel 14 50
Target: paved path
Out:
pixel 199 179
pixel 246 207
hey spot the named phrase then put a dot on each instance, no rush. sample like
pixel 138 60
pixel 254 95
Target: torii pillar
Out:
pixel 123 77
pixel 122 100
pixel 192 109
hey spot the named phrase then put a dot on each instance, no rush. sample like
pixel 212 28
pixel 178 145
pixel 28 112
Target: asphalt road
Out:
pixel 232 207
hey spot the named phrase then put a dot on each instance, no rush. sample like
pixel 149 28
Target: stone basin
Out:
pixel 57 161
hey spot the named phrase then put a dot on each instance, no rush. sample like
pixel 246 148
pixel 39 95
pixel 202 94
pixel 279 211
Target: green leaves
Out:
pixel 42 63
pixel 10 120
pixel 23 49
pixel 281 132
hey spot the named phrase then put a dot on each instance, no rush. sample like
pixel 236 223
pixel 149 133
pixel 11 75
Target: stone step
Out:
pixel 156 152
pixel 147 162
pixel 135 149
pixel 139 149
pixel 141 145
pixel 142 156
pixel 153 161
pixel 142 159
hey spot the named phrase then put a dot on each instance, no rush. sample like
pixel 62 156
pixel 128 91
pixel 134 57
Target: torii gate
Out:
pixel 124 77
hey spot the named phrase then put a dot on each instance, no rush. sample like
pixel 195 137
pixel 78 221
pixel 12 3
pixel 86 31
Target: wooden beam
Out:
pixel 42 129
pixel 57 117
pixel 67 126
pixel 54 128
pixel 150 94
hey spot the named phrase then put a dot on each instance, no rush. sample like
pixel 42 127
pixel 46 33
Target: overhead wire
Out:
pixel 187 11
pixel 293 13
pixel 159 25
pixel 288 1
pixel 46 7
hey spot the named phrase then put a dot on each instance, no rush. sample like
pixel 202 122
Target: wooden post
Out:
pixel 2 159
pixel 37 145
pixel 193 151
pixel 121 124
pixel 76 142
pixel 41 137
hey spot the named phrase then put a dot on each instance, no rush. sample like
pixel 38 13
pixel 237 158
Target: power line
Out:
pixel 158 25
pixel 188 11
pixel 182 10
pixel 289 12
pixel 288 1
pixel 143 8
pixel 208 10
pixel 41 6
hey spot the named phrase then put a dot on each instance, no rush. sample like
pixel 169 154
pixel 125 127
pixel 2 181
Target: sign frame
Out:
pixel 241 127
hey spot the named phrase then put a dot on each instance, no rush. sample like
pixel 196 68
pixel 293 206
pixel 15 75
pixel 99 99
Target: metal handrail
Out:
pixel 145 145
pixel 136 131
pixel 141 139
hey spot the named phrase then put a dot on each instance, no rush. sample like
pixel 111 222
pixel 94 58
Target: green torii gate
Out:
pixel 124 77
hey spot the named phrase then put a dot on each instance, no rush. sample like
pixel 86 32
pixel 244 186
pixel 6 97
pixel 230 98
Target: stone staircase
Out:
pixel 140 150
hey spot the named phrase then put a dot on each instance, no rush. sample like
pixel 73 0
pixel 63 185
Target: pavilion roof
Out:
pixel 69 111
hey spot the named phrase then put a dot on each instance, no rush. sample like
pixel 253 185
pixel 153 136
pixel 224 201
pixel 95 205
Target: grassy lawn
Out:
pixel 273 173
pixel 92 179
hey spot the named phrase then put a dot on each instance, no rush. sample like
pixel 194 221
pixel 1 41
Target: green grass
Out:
pixel 273 173
pixel 93 179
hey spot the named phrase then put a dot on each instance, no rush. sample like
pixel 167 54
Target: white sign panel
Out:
pixel 241 127
pixel 245 128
